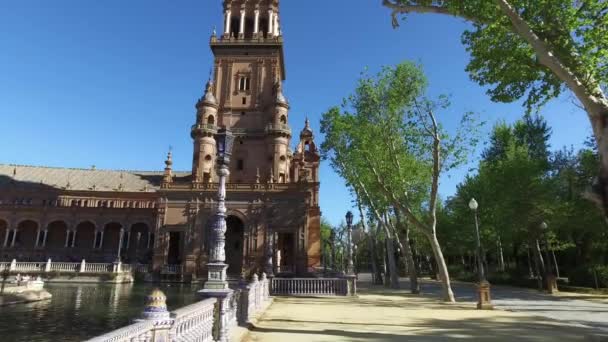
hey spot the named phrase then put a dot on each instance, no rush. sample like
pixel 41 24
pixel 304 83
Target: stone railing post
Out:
pixel 47 268
pixel 265 288
pixel 224 304
pixel 156 311
pixel 117 267
pixel 351 285
pixel 13 266
pixel 244 307
pixel 256 291
pixel 82 266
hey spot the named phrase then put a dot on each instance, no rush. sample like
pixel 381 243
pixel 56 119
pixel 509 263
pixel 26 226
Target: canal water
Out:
pixel 81 311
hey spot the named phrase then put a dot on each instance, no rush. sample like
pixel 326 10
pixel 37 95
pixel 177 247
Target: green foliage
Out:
pixel 521 183
pixel 576 33
pixel 385 124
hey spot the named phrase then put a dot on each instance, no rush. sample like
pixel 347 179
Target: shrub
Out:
pixel 586 276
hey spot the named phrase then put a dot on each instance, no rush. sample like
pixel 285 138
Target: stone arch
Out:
pixel 85 234
pixel 235 233
pixel 211 120
pixel 57 231
pixel 3 230
pixel 138 246
pixel 27 230
pixel 111 238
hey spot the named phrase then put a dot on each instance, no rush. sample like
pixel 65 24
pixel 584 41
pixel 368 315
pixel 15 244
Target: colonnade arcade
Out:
pixel 60 240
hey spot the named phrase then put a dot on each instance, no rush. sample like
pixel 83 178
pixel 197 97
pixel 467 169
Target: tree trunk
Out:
pixel 409 258
pixel 392 265
pixel 530 271
pixel 539 263
pixel 447 293
pixel 410 266
pixel 374 259
pixel 501 258
pixel 385 268
pixel 555 262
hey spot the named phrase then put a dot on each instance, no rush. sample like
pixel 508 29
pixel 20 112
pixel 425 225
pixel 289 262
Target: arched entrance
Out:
pixel 55 240
pixel 3 232
pixel 234 245
pixel 138 245
pixel 26 234
pixel 85 236
pixel 111 237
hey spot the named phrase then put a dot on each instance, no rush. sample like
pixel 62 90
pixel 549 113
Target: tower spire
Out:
pixel 168 174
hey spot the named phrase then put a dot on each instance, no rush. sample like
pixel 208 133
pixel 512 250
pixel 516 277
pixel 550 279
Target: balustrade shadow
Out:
pixel 478 329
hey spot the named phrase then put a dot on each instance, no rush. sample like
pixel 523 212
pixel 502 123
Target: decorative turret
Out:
pixel 279 97
pixel 203 134
pixel 306 157
pixel 279 135
pixel 168 174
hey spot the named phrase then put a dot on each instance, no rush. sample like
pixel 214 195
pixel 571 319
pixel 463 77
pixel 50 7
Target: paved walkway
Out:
pixel 379 314
pixel 583 309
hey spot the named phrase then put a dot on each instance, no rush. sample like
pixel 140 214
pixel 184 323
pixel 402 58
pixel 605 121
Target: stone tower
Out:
pixel 246 96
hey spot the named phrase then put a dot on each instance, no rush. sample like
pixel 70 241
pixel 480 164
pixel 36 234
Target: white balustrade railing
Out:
pixel 194 322
pixel 140 332
pixel 29 266
pixel 254 297
pixel 172 269
pixel 98 267
pixel 141 268
pixel 126 268
pixel 309 287
pixel 65 266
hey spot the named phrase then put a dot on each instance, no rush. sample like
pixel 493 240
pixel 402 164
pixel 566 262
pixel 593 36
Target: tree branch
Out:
pixel 414 6
pixel 546 57
pixel 436 169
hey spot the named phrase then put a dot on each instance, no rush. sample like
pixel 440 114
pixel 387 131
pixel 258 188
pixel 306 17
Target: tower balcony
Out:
pixel 282 129
pixel 259 38
pixel 203 130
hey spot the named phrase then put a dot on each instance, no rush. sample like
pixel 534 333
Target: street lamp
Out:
pixel 216 276
pixel 549 277
pixel 349 225
pixel 480 269
pixel 332 245
pixel 484 302
pixel 355 259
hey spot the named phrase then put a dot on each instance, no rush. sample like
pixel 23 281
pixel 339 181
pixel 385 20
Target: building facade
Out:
pixel 162 218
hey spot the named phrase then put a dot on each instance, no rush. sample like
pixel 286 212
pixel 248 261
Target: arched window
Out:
pixel 244 83
pixel 211 120
pixel 283 119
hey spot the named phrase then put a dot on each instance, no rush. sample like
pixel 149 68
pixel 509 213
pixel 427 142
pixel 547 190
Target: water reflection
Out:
pixel 78 312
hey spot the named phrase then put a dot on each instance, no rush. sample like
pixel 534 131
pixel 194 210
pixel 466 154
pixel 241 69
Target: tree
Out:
pixel 535 49
pixel 387 143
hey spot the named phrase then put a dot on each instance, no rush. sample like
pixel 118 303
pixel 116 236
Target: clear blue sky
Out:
pixel 113 83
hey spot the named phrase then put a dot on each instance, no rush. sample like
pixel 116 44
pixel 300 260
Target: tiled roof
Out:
pixel 81 179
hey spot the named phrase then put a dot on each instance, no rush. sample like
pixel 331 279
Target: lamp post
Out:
pixel 551 281
pixel 355 259
pixel 332 239
pixel 216 267
pixel 483 287
pixel 480 269
pixel 349 225
pixel 216 285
